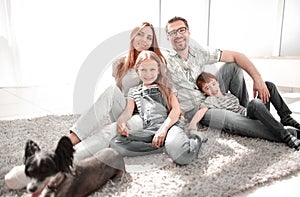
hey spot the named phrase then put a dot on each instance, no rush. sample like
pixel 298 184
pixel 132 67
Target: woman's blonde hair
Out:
pixel 130 60
pixel 163 82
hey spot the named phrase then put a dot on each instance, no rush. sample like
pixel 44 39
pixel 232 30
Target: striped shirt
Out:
pixel 184 74
pixel 228 102
pixel 135 93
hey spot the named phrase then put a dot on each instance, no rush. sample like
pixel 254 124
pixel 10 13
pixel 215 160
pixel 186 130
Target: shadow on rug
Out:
pixel 226 165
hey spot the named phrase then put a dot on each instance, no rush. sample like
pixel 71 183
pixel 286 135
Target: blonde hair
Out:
pixel 163 82
pixel 130 60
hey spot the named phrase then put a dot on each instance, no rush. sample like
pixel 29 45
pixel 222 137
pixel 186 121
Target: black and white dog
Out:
pixel 53 173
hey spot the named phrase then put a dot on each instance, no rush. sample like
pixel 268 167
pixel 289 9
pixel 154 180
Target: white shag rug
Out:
pixel 227 164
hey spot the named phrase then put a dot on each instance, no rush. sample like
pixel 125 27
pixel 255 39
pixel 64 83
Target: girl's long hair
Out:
pixel 130 60
pixel 163 82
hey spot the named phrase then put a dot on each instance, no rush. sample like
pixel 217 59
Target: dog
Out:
pixel 53 173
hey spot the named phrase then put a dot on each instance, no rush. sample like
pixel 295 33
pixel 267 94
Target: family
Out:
pixel 155 95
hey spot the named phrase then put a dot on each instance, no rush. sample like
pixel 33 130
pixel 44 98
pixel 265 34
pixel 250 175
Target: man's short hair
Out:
pixel 174 19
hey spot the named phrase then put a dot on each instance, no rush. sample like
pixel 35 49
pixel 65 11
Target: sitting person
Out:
pixel 92 132
pixel 256 109
pixel 158 106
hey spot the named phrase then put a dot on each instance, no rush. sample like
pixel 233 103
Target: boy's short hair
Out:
pixel 204 78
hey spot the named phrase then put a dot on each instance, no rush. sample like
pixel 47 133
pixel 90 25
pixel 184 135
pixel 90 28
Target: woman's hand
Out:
pixel 159 139
pixel 122 128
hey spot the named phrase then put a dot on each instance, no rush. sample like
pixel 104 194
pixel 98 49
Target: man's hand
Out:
pixel 260 89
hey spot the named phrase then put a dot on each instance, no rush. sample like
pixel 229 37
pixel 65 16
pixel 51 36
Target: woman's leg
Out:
pixel 109 105
pixel 101 139
pixel 181 148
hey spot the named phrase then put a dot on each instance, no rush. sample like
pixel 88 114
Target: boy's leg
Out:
pixel 234 123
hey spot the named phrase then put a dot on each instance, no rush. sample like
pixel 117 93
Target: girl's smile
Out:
pixel 148 71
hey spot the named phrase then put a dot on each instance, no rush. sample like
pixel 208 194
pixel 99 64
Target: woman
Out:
pixel 90 129
pixel 93 131
pixel 159 108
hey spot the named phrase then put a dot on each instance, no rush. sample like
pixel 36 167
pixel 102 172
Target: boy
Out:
pixel 209 86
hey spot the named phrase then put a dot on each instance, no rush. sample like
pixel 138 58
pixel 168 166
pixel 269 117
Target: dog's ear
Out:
pixel 30 149
pixel 64 154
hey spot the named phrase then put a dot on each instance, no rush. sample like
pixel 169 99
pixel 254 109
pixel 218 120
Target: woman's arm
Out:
pixel 159 138
pixel 197 117
pixel 122 124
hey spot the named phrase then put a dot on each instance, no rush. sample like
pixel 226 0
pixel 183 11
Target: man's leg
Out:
pixel 231 78
pixel 281 107
pixel 257 109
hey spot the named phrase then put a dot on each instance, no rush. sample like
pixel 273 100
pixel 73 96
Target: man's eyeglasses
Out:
pixel 180 30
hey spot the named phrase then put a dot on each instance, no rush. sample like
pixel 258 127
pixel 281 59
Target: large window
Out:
pixel 290 45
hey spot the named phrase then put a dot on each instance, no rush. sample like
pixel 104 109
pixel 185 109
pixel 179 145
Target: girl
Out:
pixel 256 109
pixel 158 106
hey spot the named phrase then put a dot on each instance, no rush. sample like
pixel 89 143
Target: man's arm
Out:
pixel 242 61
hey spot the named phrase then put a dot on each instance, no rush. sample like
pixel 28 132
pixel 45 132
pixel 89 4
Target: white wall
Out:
pixel 46 42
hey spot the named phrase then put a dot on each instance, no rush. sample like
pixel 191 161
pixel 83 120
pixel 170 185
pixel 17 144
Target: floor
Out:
pixel 29 102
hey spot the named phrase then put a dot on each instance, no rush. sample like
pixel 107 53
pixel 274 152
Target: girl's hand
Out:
pixel 159 139
pixel 122 128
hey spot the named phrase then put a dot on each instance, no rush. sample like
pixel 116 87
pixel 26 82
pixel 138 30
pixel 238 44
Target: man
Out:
pixel 186 62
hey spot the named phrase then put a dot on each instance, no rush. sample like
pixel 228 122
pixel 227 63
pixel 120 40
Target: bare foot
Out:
pixel 74 138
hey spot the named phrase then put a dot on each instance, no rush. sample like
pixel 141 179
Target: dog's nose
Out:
pixel 32 189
